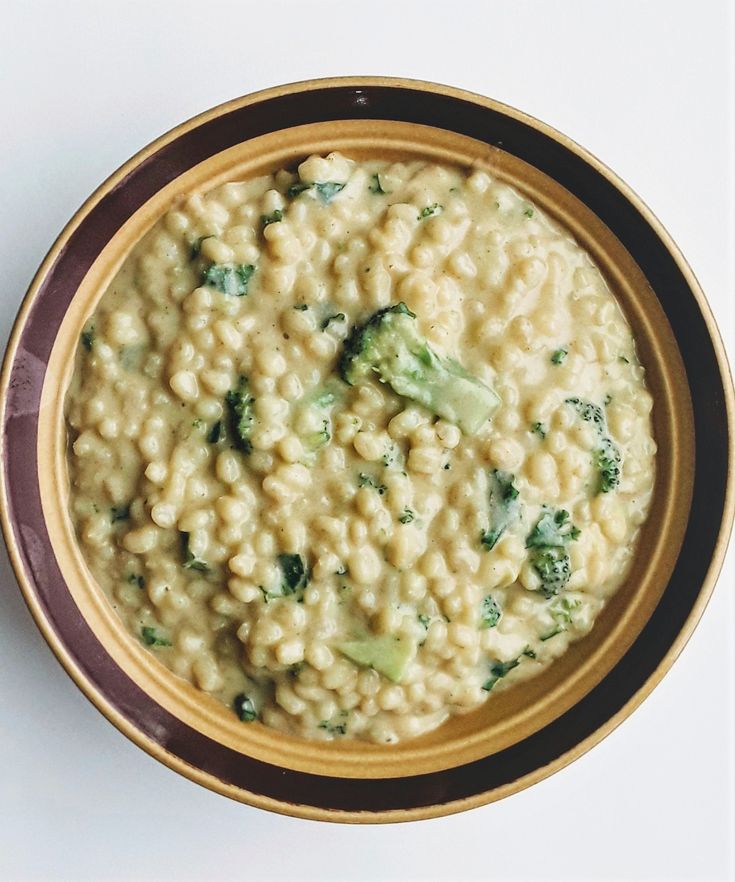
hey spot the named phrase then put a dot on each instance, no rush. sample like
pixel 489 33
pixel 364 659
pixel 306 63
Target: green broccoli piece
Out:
pixel 229 278
pixel 295 575
pixel 151 638
pixel 337 317
pixel 325 190
pixel 119 513
pixel 489 612
pixel 387 654
pixel 498 670
pixel 244 708
pixel 389 345
pixel 87 338
pixel 335 728
pixel 241 417
pixel 215 433
pixel 606 456
pixel 191 561
pixel 314 441
pixel 430 210
pixel 375 185
pixel 504 507
pixel 562 612
pixel 548 540
pixel 273 218
pixel 196 246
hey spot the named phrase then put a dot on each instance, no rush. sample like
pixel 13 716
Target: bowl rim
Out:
pixel 97 697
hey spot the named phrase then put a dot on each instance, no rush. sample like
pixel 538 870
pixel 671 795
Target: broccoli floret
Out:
pixel 504 507
pixel 548 541
pixel 241 417
pixel 553 529
pixel 389 345
pixel 562 611
pixel 489 612
pixel 229 278
pixel 606 455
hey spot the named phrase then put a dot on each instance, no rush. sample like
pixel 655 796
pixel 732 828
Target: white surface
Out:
pixel 648 87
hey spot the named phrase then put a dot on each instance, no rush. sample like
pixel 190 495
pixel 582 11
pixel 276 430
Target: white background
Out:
pixel 648 87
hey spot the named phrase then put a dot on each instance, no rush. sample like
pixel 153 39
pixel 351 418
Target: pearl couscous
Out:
pixel 353 447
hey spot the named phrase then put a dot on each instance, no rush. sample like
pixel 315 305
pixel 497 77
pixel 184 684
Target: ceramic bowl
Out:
pixel 524 733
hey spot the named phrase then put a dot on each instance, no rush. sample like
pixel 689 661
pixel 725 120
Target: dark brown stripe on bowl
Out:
pixel 493 126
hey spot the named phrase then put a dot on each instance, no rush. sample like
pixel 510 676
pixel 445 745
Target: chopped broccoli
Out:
pixel 322 398
pixel 215 433
pixel 561 611
pixel 337 317
pixel 240 409
pixel 244 708
pixel 547 541
pixel 191 561
pixel 314 441
pixel 553 567
pixel 528 210
pixel 325 190
pixel 389 345
pixel 430 210
pixel 364 480
pixel 424 621
pixel 229 278
pixel 151 638
pixel 196 246
pixel 606 456
pixel 553 529
pixel 120 513
pixel 498 670
pixel 489 612
pixel 407 516
pixel 294 574
pixel 87 338
pixel 539 429
pixel 504 507
pixel 375 185
pixel 273 218
pixel 388 654
pixel 559 355
pixel 135 579
pixel 339 728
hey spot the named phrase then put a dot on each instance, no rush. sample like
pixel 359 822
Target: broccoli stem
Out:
pixel 389 345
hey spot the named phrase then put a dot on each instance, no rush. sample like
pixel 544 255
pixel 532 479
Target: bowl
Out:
pixel 523 734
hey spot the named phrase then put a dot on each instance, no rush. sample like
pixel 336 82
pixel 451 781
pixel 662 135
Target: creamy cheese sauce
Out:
pixel 343 561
